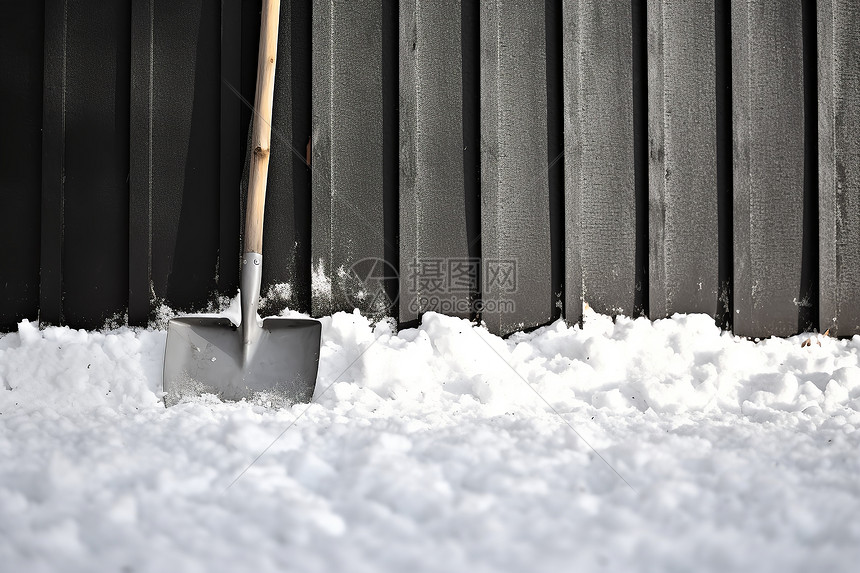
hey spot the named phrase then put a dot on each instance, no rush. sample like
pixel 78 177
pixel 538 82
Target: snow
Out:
pixel 625 446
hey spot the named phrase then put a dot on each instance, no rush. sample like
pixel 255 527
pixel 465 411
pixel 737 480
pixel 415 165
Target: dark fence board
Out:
pixel 140 162
pixel 470 47
pixel 555 150
pixel 515 221
pixel 600 186
pixel 53 153
pixel 839 165
pixel 181 148
pixel 21 50
pixel 95 133
pixel 434 253
pixel 349 242
pixel 301 66
pixel 232 142
pixel 768 113
pixel 683 208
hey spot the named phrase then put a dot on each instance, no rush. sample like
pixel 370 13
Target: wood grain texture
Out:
pixel 768 135
pixel 600 193
pixel 433 236
pixel 515 225
pixel 262 126
pixel 683 206
pixel 839 165
pixel 348 239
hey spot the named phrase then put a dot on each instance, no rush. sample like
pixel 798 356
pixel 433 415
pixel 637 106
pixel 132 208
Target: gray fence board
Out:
pixel 710 158
pixel 600 195
pixel 683 237
pixel 768 114
pixel 433 236
pixel 515 224
pixel 348 246
pixel 839 175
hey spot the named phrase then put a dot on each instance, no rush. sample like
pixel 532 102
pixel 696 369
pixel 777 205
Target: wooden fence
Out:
pixel 505 159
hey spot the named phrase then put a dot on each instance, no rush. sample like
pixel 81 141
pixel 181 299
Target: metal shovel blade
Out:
pixel 213 355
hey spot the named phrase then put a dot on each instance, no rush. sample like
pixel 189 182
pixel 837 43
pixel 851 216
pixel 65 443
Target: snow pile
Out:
pixel 626 446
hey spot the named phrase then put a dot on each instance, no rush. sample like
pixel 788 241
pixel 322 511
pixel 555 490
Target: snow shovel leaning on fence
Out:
pixel 279 357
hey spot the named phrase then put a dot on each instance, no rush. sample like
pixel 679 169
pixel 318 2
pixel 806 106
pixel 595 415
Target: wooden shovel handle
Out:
pixel 262 127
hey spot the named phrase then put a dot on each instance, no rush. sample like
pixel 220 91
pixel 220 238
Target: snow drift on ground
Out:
pixel 626 446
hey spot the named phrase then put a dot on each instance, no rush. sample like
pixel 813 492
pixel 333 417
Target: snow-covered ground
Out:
pixel 618 447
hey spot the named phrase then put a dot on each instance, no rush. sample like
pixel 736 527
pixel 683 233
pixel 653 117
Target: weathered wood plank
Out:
pixel 600 184
pixel 683 208
pixel 515 221
pixel 768 118
pixel 436 272
pixel 349 243
pixel 839 165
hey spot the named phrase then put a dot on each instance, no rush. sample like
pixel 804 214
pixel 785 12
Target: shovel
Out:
pixel 278 358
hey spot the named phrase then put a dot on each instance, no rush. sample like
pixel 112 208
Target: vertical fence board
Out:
pixel 434 254
pixel 140 163
pixel 600 186
pixel 515 220
pixel 179 150
pixel 349 243
pixel 839 165
pixel 301 67
pixel 232 142
pixel 21 57
pixel 95 164
pixel 768 112
pixel 683 207
pixel 53 153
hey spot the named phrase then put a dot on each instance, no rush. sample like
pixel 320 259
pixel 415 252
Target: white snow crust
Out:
pixel 620 446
